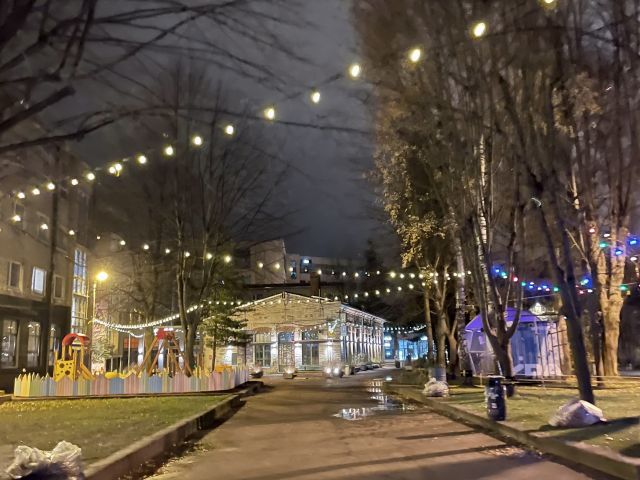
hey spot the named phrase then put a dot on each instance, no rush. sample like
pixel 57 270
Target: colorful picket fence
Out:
pixel 31 385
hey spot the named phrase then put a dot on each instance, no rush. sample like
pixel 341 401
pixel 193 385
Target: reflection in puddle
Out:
pixel 385 404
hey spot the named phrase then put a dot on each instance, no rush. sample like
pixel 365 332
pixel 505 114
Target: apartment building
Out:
pixel 43 257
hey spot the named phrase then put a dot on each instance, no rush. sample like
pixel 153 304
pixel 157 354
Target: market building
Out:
pixel 305 332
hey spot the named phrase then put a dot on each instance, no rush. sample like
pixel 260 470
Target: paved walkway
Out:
pixel 346 429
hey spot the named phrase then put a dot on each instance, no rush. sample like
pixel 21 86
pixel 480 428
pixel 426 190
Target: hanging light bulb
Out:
pixel 51 186
pixel 415 54
pixel 229 129
pixel 115 169
pixel 315 96
pixel 16 218
pixel 141 159
pixel 277 266
pixel 44 226
pixel 260 265
pixel 35 191
pixel 167 251
pixel 122 243
pixel 90 176
pixel 227 259
pixel 21 195
pixel 479 29
pixel 74 181
pixel 187 254
pixel 72 233
pixel 197 140
pixel 209 256
pixel 270 113
pixel 169 151
pixel 355 70
pixel 145 246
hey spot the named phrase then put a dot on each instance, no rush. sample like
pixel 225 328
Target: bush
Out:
pixel 417 376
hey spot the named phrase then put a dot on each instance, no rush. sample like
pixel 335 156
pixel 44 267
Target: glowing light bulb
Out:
pixel 72 233
pixel 270 113
pixel 16 218
pixel 167 251
pixel 392 274
pixel 229 130
pixel 209 256
pixel 415 55
pixel 74 181
pixel 319 272
pixel 315 96
pixel 35 191
pixel 479 29
pixel 187 254
pixel 277 266
pixel 169 151
pixel 90 176
pixel 141 159
pixel 21 195
pixel 227 259
pixel 145 246
pixel 102 276
pixel 260 265
pixel 44 226
pixel 355 70
pixel 197 140
pixel 51 186
pixel 123 243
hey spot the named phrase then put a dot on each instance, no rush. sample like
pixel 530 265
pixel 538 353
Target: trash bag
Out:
pixel 435 388
pixel 576 413
pixel 64 462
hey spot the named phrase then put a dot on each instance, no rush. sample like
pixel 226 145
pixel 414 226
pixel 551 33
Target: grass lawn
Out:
pixel 99 427
pixel 532 407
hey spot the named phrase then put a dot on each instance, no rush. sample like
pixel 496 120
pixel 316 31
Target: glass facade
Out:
pixel 80 298
pixel 9 343
pixel 33 344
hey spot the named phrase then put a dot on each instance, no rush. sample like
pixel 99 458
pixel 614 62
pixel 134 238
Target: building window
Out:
pixel 33 344
pixel 262 338
pixel 9 344
pixel 54 343
pixel 310 354
pixel 38 280
pixel 293 271
pixel 58 287
pixel 14 275
pixel 310 335
pixel 262 354
pixel 80 299
pixel 285 337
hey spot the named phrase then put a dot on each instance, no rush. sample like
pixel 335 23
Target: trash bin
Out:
pixel 494 394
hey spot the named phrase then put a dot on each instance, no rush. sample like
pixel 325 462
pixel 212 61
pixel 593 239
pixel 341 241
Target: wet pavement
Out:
pixel 348 428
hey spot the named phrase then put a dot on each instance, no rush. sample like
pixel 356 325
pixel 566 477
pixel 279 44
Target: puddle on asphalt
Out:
pixel 385 404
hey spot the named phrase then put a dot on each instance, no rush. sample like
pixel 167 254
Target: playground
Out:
pixel 99 426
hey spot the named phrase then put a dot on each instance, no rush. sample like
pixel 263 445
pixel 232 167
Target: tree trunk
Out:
pixel 441 338
pixel 611 327
pixel 190 340
pixel 453 354
pixel 463 353
pixel 214 348
pixel 429 327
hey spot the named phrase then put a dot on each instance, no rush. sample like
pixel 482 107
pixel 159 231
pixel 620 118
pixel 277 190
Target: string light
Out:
pixel 44 226
pixel 270 113
pixel 355 70
pixel 479 29
pixel 187 254
pixel 51 186
pixel 141 159
pixel 315 96
pixel 123 243
pixel 167 251
pixel 90 176
pixel 169 151
pixel 35 191
pixel 415 54
pixel 74 182
pixel 229 129
pixel 72 233
pixel 227 259
pixel 145 246
pixel 260 265
pixel 21 195
pixel 115 169
pixel 197 140
pixel 277 266
pixel 209 256
pixel 16 218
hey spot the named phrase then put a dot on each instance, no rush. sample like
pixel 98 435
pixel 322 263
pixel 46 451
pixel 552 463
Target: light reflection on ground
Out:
pixel 385 404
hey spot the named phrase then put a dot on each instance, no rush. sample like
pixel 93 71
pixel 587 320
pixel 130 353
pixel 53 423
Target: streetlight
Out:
pixel 101 276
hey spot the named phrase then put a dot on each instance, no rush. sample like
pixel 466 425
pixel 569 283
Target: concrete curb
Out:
pixel 5 398
pixel 156 446
pixel 596 458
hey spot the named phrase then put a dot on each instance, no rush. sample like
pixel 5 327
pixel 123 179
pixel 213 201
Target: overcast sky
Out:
pixel 330 203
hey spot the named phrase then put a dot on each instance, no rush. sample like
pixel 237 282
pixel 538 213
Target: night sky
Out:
pixel 329 204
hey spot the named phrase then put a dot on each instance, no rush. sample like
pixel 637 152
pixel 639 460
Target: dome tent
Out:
pixel 535 346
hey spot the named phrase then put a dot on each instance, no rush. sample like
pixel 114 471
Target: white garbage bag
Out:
pixel 576 413
pixel 63 462
pixel 435 388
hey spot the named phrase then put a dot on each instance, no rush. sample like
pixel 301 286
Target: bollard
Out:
pixel 494 394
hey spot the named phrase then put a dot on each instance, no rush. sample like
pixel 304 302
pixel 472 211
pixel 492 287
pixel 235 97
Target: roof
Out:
pixel 525 317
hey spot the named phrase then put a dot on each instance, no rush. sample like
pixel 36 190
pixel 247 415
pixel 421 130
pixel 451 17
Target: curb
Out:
pixel 155 446
pixel 596 458
pixel 5 398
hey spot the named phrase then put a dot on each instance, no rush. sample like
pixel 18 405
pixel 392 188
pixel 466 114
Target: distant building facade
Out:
pixel 43 258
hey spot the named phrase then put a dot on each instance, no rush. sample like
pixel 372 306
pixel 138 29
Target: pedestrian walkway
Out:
pixel 317 428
